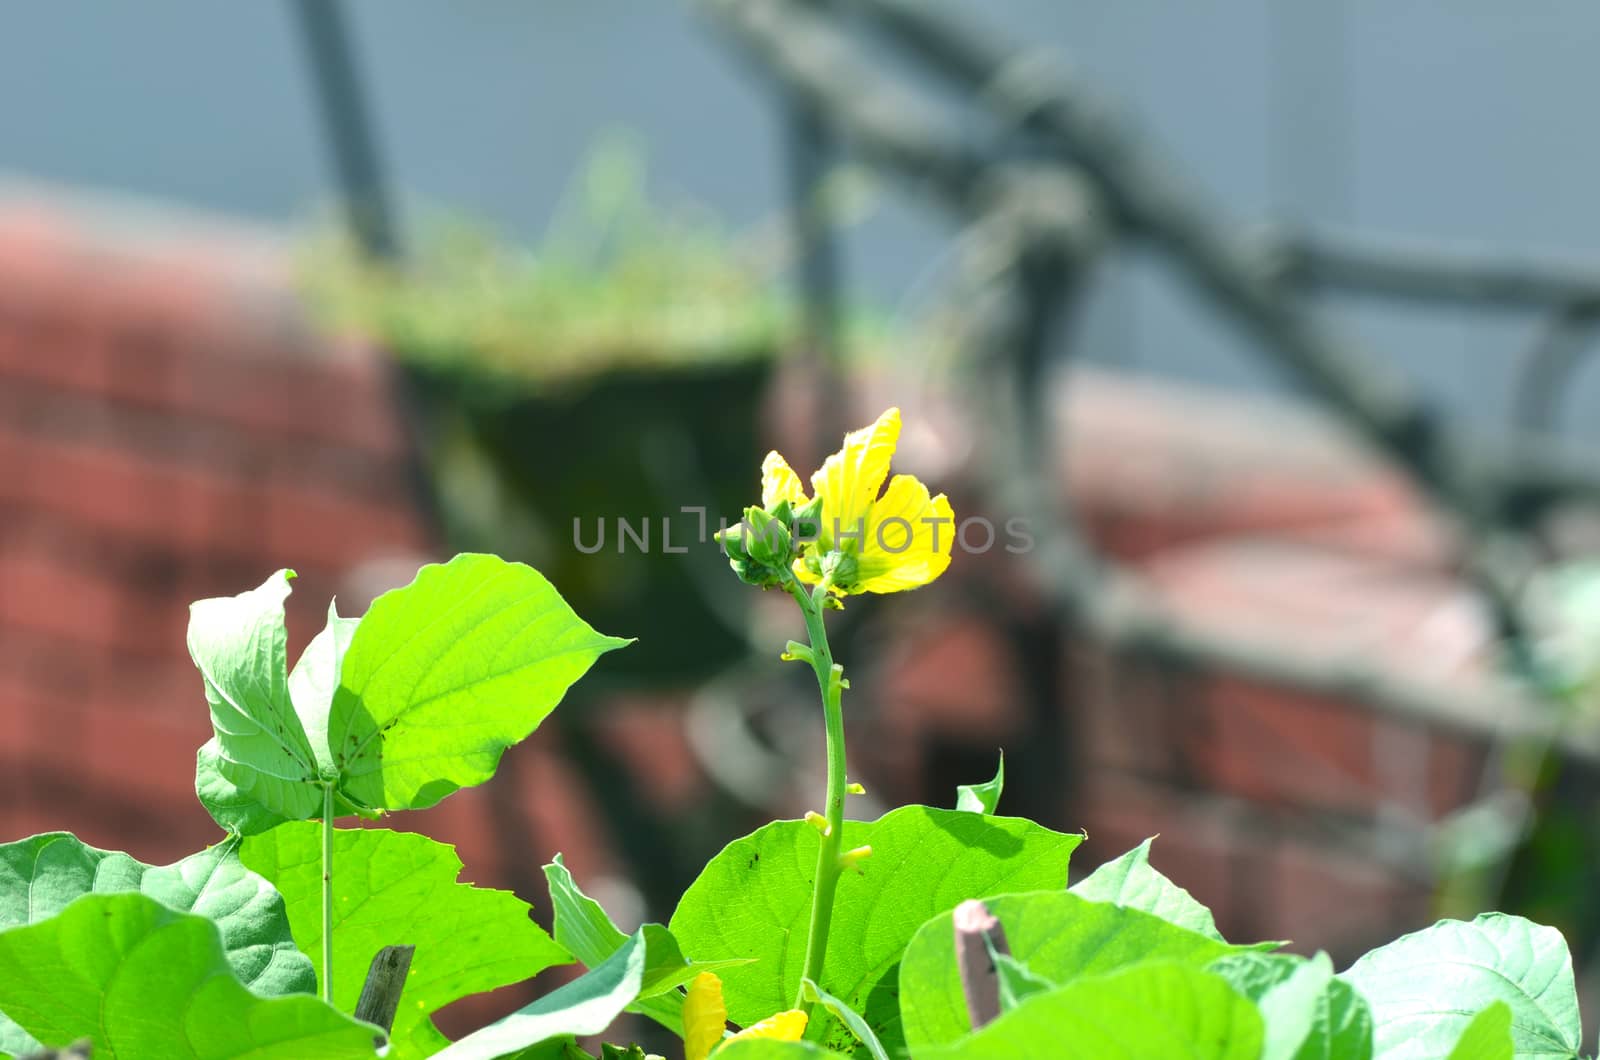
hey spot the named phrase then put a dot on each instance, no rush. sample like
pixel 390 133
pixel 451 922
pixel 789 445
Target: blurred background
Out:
pixel 1268 324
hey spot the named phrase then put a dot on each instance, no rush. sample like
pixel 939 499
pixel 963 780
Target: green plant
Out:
pixel 618 281
pixel 939 934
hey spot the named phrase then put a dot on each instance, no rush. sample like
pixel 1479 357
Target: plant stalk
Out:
pixel 327 893
pixel 828 867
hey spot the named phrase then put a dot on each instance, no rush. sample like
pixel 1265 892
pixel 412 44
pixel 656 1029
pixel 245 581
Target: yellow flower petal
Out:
pixel 705 1017
pixel 908 542
pixel 780 483
pixel 783 1027
pixel 849 480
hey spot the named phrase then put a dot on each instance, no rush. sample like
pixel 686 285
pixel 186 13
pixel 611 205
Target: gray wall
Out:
pixel 1469 122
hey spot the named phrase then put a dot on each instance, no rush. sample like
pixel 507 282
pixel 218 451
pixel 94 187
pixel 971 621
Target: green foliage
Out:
pixel 1057 935
pixel 394 710
pixel 585 930
pixel 397 709
pixel 446 673
pixel 142 980
pixel 621 281
pixel 1310 1013
pixel 983 798
pixel 1487 1037
pixel 397 888
pixel 752 900
pixel 41 876
pixel 1131 881
pixel 1426 987
pixel 1151 1009
pixel 762 1049
pixel 586 1005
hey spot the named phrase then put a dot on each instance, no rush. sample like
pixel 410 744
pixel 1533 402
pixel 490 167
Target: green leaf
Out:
pixel 1060 937
pixel 617 1052
pixel 42 875
pixel 399 888
pixel 1487 1037
pixel 753 900
pixel 234 809
pixel 444 674
pixel 1290 1008
pixel 1015 980
pixel 1425 986
pixel 396 709
pixel 143 980
pixel 847 1016
pixel 315 680
pixel 584 930
pixel 1131 881
pixel 1155 1009
pixel 768 1049
pixel 983 798
pixel 586 1005
pixel 261 747
pixel 1340 1026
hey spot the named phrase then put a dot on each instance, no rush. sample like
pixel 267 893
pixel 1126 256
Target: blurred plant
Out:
pixel 619 280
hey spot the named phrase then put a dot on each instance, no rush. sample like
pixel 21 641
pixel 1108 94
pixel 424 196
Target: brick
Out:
pixel 195 510
pixel 124 347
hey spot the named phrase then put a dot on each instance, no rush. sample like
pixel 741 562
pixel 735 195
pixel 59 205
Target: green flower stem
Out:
pixel 327 893
pixel 828 867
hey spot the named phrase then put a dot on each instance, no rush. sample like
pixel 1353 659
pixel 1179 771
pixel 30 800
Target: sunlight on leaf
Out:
pixel 983 798
pixel 753 898
pixel 446 673
pixel 1424 988
pixel 398 888
pixel 42 875
pixel 142 980
pixel 1059 936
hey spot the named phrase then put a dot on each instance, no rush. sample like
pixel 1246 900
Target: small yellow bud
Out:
pixel 819 822
pixel 854 789
pixel 852 859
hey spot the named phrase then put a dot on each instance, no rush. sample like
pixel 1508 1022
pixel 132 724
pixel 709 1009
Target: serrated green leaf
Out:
pixel 584 929
pixel 1425 987
pixel 753 900
pixel 1487 1037
pixel 399 888
pixel 1130 880
pixel 1154 1009
pixel 983 798
pixel 42 875
pixel 444 674
pixel 1341 1022
pixel 261 747
pixel 846 1015
pixel 586 1005
pixel 143 980
pixel 1059 935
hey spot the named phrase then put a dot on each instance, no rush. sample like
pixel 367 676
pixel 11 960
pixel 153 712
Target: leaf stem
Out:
pixel 828 866
pixel 327 893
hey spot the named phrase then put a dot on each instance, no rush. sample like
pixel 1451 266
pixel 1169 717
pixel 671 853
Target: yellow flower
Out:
pixel 784 1027
pixel 705 1016
pixel 885 544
